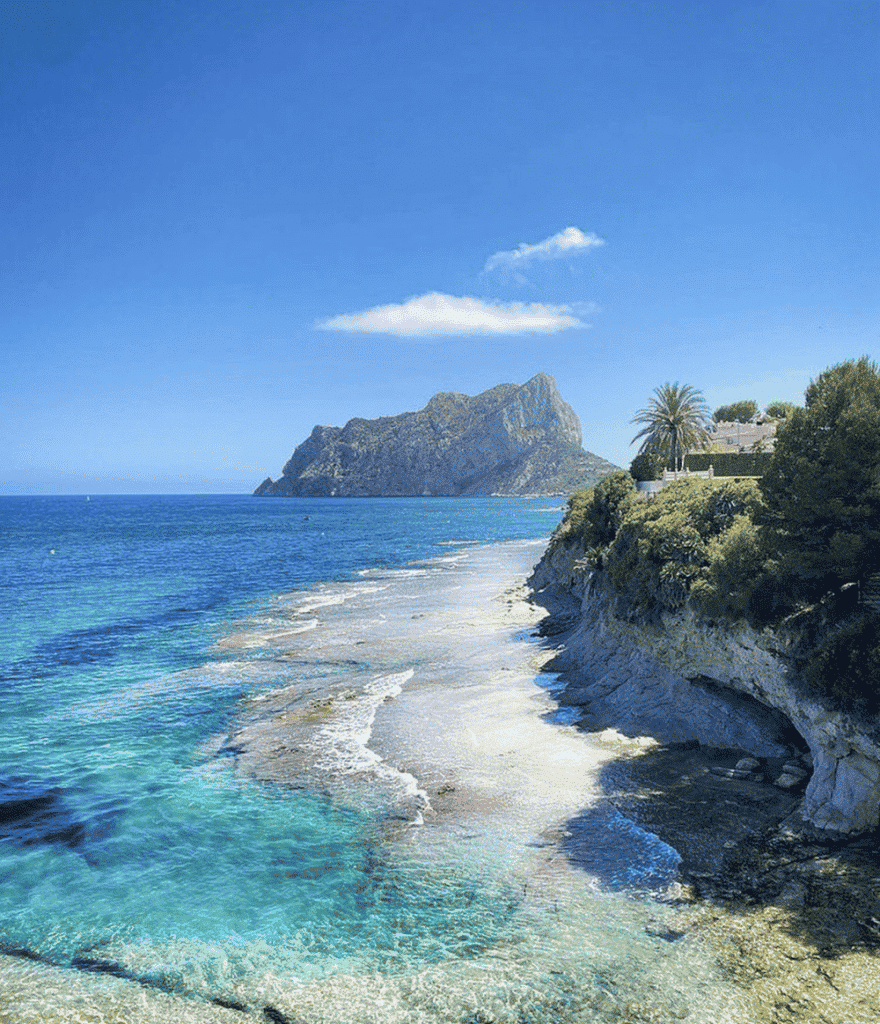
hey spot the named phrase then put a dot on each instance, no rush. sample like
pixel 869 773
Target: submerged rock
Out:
pixel 788 781
pixel 32 812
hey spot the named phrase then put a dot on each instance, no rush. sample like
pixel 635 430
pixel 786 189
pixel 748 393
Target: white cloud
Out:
pixel 563 243
pixel 438 315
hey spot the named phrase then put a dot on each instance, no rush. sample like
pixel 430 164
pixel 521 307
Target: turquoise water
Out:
pixel 153 839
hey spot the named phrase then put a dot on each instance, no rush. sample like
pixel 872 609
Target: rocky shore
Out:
pixel 679 677
pixel 793 910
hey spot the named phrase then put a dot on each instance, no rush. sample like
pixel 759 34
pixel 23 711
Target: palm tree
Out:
pixel 676 421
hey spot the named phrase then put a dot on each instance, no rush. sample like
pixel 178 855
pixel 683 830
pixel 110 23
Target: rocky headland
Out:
pixel 770 796
pixel 680 679
pixel 508 440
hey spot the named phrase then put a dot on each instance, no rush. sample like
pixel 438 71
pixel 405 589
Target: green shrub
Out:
pixel 572 524
pixel 658 549
pixel 647 466
pixel 594 515
pixel 846 666
pixel 735 569
pixel 667 549
pixel 727 500
pixel 697 540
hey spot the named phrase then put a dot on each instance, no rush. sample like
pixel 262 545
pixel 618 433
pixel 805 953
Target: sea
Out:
pixel 297 760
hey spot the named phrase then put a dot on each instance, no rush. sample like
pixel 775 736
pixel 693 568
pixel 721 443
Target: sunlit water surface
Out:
pixel 287 759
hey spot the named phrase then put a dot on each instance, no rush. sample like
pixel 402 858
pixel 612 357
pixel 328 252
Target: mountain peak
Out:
pixel 511 439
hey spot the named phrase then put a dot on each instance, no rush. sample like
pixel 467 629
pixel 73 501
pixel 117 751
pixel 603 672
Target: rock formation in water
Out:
pixel 508 440
pixel 724 685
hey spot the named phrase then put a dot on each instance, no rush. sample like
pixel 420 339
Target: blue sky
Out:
pixel 225 222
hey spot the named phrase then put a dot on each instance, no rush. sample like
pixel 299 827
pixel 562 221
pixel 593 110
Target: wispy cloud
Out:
pixel 438 315
pixel 563 243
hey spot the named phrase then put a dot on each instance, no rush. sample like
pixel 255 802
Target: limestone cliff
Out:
pixel 508 440
pixel 682 678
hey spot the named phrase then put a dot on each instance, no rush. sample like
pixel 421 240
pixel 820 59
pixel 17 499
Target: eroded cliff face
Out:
pixel 681 678
pixel 508 440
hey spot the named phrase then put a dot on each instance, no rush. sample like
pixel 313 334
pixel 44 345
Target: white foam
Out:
pixel 315 603
pixel 351 590
pixel 253 639
pixel 305 627
pixel 343 744
pixel 445 559
pixel 393 574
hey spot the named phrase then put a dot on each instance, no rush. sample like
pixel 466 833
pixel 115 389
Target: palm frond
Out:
pixel 676 420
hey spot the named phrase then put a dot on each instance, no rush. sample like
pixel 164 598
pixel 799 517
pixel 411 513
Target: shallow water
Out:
pixel 298 756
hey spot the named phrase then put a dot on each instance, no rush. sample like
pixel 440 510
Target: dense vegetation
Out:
pixel 779 410
pixel 793 548
pixel 696 540
pixel 822 488
pixel 736 412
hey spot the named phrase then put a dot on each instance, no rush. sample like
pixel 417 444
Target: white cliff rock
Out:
pixel 683 678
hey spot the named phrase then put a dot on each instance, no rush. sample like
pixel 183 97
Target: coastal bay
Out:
pixel 358 798
pixel 488 766
pixel 487 771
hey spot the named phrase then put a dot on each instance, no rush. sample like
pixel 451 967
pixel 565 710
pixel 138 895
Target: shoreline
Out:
pixel 794 910
pixel 517 798
pixel 786 913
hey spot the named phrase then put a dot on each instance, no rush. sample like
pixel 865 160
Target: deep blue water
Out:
pixel 85 576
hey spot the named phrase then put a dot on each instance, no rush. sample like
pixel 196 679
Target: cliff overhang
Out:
pixel 681 678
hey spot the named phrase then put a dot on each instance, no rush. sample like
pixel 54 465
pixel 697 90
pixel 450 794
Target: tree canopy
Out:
pixel 647 467
pixel 736 412
pixel 822 487
pixel 779 410
pixel 675 422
